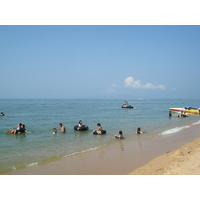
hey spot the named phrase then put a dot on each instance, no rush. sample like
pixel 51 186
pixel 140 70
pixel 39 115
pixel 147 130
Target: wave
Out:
pixel 14 168
pixel 174 130
pixel 32 164
pixel 177 129
pixel 86 150
pixel 196 123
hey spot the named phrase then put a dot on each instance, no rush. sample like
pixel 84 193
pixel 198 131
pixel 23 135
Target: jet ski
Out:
pixel 126 105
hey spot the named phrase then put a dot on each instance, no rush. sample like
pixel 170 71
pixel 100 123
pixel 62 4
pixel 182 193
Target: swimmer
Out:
pixel 120 136
pixel 15 131
pixel 99 129
pixel 20 129
pixel 23 129
pixel 19 126
pixel 183 114
pixel 80 124
pixel 170 113
pixel 2 114
pixel 54 131
pixel 139 131
pixel 62 128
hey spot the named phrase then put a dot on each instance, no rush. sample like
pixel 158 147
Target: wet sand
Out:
pixel 120 158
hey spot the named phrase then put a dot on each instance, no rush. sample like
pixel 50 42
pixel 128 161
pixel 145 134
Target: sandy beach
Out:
pixel 182 161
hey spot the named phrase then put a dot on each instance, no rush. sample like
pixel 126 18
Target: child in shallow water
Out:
pixel 99 129
pixel 54 131
pixel 120 136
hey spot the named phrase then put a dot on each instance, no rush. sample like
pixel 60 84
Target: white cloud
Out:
pixel 130 82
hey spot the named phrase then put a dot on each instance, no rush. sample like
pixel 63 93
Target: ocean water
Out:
pixel 42 115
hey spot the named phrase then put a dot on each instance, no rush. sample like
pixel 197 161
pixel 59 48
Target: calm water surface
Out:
pixel 42 115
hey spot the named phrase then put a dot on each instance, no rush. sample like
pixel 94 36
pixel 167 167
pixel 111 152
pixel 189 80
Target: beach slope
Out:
pixel 182 161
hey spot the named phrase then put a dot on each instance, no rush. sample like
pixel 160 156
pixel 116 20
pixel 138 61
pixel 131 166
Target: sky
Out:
pixel 123 61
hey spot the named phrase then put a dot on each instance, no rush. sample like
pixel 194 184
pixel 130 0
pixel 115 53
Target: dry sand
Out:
pixel 183 161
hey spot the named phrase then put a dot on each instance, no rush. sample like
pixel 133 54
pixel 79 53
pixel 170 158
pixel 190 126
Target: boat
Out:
pixel 188 110
pixel 126 105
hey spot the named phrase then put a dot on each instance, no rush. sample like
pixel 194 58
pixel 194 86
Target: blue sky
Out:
pixel 99 61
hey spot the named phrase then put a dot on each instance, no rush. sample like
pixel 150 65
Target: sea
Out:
pixel 40 116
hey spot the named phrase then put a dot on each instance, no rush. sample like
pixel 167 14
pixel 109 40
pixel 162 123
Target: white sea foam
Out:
pixel 86 150
pixel 196 123
pixel 32 164
pixel 174 130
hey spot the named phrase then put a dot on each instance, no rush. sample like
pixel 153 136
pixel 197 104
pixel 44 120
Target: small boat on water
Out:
pixel 188 110
pixel 126 105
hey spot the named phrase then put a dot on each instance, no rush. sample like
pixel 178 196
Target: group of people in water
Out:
pixel 98 130
pixel 20 129
pixel 62 129
pixel 183 114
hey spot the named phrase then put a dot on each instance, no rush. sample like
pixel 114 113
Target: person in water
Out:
pixel 183 114
pixel 14 131
pixel 80 124
pixel 54 131
pixel 170 113
pixel 120 136
pixel 63 130
pixel 23 129
pixel 2 114
pixel 20 129
pixel 99 129
pixel 139 131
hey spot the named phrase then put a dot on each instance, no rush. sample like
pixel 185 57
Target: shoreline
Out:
pixel 120 158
